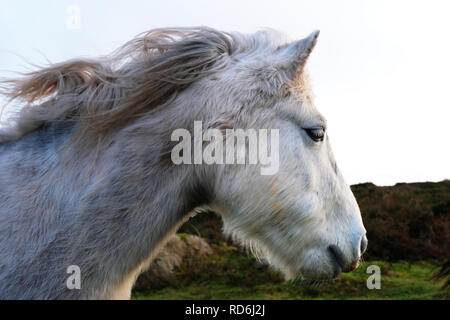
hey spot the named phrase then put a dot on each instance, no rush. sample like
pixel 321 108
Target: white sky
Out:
pixel 380 69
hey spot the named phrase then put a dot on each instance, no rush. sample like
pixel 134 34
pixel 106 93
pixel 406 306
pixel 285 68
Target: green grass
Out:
pixel 398 281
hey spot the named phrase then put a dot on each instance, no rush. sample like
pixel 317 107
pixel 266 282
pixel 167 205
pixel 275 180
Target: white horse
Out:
pixel 87 183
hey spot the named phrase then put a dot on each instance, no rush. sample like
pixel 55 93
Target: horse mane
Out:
pixel 99 94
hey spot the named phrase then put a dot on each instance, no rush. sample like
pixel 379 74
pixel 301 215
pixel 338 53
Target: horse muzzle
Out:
pixel 341 262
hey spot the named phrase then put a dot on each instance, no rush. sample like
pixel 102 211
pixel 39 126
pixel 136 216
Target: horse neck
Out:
pixel 115 206
pixel 136 197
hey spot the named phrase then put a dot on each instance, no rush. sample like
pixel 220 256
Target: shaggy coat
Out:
pixel 86 177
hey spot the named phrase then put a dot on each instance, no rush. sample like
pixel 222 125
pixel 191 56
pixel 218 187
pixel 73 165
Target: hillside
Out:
pixel 408 221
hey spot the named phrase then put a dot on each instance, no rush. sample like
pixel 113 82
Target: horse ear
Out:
pixel 293 56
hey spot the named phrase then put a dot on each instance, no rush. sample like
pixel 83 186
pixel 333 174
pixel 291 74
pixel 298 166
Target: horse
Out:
pixel 88 188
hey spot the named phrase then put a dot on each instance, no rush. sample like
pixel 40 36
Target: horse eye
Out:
pixel 317 134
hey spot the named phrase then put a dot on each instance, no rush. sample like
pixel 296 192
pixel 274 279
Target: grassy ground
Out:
pixel 398 281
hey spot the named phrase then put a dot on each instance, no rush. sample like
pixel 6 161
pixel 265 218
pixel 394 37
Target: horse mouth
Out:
pixel 338 259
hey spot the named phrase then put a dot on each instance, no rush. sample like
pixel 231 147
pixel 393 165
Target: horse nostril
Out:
pixel 363 245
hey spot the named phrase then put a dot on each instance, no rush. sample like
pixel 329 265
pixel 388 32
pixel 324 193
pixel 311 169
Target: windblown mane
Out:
pixel 98 94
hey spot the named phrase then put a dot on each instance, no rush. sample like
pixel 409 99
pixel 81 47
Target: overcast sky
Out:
pixel 380 69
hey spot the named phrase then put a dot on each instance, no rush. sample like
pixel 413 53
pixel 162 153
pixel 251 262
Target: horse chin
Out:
pixel 305 272
pixel 299 273
pixel 308 266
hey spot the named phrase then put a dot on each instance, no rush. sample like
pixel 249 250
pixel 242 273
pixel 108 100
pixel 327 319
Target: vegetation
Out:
pixel 406 221
pixel 235 277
